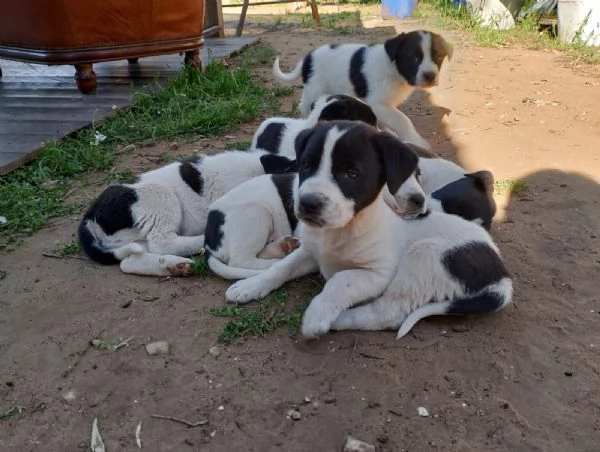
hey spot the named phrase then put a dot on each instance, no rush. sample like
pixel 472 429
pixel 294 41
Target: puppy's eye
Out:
pixel 306 165
pixel 351 174
pixel 416 58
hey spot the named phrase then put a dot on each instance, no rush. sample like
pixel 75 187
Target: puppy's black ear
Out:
pixel 277 164
pixel 441 48
pixel 349 109
pixel 398 160
pixel 335 111
pixel 301 140
pixel 421 152
pixel 392 46
pixel 483 180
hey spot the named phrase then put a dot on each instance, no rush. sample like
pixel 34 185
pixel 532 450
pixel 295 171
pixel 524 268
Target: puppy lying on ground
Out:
pixel 403 270
pixel 277 135
pixel 383 75
pixel 453 190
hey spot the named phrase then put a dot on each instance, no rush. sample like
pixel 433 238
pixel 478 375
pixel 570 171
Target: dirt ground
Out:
pixel 525 379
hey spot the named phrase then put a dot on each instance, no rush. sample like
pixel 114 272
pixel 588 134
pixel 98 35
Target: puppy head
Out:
pixel 342 107
pixel 418 56
pixel 342 168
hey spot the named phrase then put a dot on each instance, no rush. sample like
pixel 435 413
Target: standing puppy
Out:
pixel 383 75
pixel 434 264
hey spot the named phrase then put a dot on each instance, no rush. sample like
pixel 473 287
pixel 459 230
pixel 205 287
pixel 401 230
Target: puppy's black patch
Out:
pixel 213 234
pixel 270 139
pixel 347 108
pixel 474 265
pixel 307 68
pixel 112 212
pixel 285 188
pixel 277 164
pixel 192 177
pixel 469 198
pixel 479 304
pixel 333 46
pixel 405 51
pixel 357 77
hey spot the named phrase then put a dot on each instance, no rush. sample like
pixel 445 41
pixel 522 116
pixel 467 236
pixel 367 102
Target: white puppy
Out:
pixel 383 75
pixel 436 264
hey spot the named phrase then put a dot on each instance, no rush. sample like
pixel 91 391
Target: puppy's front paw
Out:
pixel 288 244
pixel 316 320
pixel 246 290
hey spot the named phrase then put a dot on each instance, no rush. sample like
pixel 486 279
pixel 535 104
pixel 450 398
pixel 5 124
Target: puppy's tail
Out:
pixel 491 299
pixel 229 272
pixel 290 76
pixel 94 248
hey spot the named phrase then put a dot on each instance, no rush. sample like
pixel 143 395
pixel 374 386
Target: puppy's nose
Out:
pixel 311 203
pixel 417 201
pixel 429 77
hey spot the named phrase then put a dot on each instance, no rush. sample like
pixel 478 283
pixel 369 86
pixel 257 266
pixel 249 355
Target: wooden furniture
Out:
pixel 85 32
pixel 238 32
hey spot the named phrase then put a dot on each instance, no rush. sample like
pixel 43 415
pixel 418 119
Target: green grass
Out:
pixel 191 106
pixel 68 249
pixel 240 145
pixel 516 187
pixel 264 317
pixel 443 14
pixel 199 265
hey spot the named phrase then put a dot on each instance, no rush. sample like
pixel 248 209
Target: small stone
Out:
pixel 214 351
pixel 294 415
pixel 126 304
pixel 221 408
pixel 356 445
pixel 189 442
pixel 460 328
pixel 330 398
pixel 149 298
pixel 568 373
pixel 432 443
pixel 382 439
pixel 68 395
pixel 158 348
pixel 422 411
pixel 174 146
pixel 307 399
pixel 505 406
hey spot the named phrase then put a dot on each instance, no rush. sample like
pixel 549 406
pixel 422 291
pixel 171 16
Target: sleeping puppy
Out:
pixel 383 75
pixel 277 135
pixel 401 270
pixel 252 226
pixel 453 190
pixel 150 226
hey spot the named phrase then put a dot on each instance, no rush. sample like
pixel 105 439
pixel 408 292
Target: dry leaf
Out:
pixel 97 443
pixel 138 432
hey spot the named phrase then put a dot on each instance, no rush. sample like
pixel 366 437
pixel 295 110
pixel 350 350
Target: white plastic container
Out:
pixel 499 14
pixel 579 20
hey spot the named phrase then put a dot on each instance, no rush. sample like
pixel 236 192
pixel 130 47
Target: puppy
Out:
pixel 252 226
pixel 403 270
pixel 453 190
pixel 383 75
pixel 151 225
pixel 277 135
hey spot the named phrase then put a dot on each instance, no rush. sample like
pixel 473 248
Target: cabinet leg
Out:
pixel 85 77
pixel 132 60
pixel 192 57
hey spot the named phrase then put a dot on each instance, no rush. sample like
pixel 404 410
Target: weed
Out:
pixel 240 145
pixel 259 54
pixel 282 91
pixel 167 158
pixel 68 249
pixel 193 104
pixel 15 409
pixel 516 187
pixel 117 176
pixel 260 319
pixel 111 346
pixel 200 266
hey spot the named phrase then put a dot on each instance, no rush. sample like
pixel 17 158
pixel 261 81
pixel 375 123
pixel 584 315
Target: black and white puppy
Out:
pixel 403 270
pixel 252 226
pixel 383 75
pixel 277 135
pixel 453 190
pixel 151 225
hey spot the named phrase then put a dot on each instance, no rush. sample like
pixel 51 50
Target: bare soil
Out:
pixel 526 379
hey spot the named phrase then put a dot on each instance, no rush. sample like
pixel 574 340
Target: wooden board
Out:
pixel 39 103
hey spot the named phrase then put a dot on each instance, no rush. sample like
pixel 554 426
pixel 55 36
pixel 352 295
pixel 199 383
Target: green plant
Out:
pixel 200 266
pixel 68 249
pixel 516 187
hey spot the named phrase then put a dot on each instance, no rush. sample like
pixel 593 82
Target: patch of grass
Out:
pixel 516 187
pixel 68 249
pixel 111 346
pixel 240 145
pixel 190 106
pixel 282 91
pixel 117 176
pixel 443 14
pixel 170 158
pixel 200 266
pixel 260 318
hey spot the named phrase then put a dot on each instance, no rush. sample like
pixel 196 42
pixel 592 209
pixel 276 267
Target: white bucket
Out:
pixel 579 20
pixel 498 14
